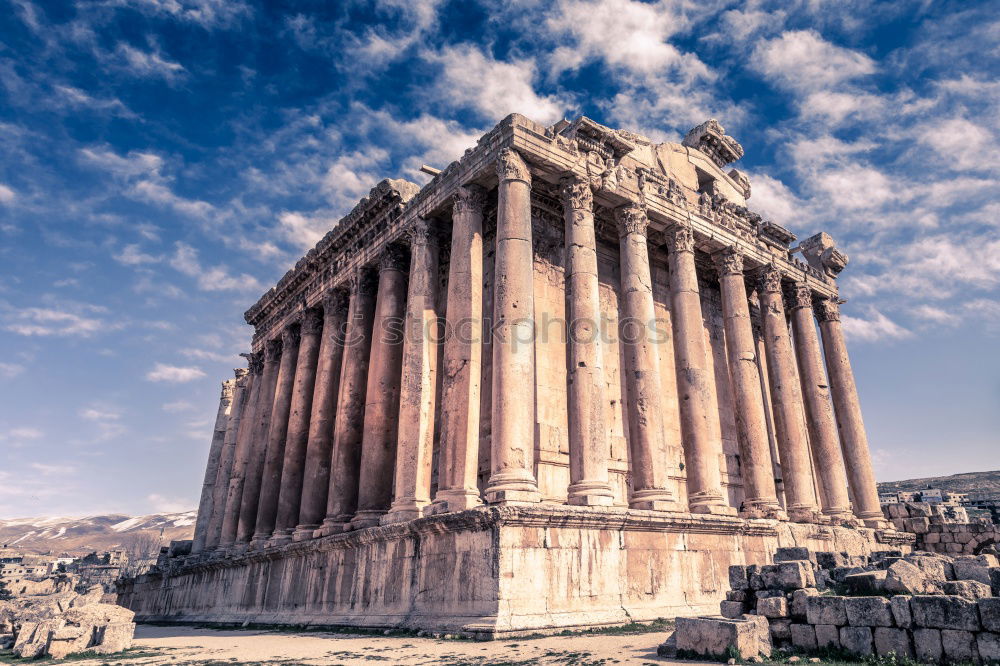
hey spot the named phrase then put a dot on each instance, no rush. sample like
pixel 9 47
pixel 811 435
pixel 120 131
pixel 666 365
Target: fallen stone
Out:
pixel 792 553
pixel 959 645
pixel 868 612
pixel 989 613
pixel 967 589
pixel 893 641
pixel 803 636
pixel 737 595
pixel 718 637
pixel 772 607
pixel 826 610
pixel 971 569
pixel 738 579
pixel 732 609
pixel 856 640
pixel 780 630
pixel 797 606
pixel 932 567
pixel 901 615
pixel 867 582
pixel 945 612
pixel 831 560
pixel 827 636
pixel 995 580
pixel 791 575
pixel 927 645
pixel 988 644
pixel 905 578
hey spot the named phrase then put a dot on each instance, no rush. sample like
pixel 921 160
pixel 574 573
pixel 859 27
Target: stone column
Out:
pixel 205 505
pixel 757 471
pixel 378 446
pixel 702 451
pixel 258 443
pixel 293 467
pixel 242 452
pixel 270 484
pixel 512 460
pixel 221 485
pixel 342 495
pixel 853 439
pixel 786 400
pixel 819 411
pixel 588 436
pixel 647 447
pixel 319 450
pixel 458 459
pixel 414 451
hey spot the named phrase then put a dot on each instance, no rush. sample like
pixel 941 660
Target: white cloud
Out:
pixel 209 14
pixel 802 60
pixel 10 370
pixel 162 372
pixel 774 200
pixel 216 278
pixel 178 406
pixel 6 194
pixel 161 504
pixel 47 469
pixel 99 414
pixel 134 163
pixel 158 193
pixel 51 322
pixel 208 355
pixel 22 434
pixel 875 328
pixel 131 255
pixel 148 65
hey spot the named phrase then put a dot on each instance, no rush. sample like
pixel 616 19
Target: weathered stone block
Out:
pixel 868 612
pixel 901 615
pixel 755 580
pixel 737 595
pixel 967 589
pixel 772 607
pixel 797 606
pixel 830 560
pixel 893 641
pixel 791 575
pixel 826 610
pixel 716 637
pixel 738 577
pixel 931 566
pixel 731 609
pixel 780 630
pixel 959 645
pixel 803 636
pixel 905 578
pixel 866 582
pixel 792 553
pixel 971 569
pixel 856 640
pixel 917 525
pixel 927 645
pixel 988 644
pixel 827 636
pixel 945 612
pixel 989 613
pixel 995 580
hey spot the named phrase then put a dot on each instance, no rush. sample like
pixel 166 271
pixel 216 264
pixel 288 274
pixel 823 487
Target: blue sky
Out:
pixel 162 162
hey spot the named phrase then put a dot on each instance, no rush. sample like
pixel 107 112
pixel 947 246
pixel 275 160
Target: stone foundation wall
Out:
pixel 489 572
pixel 943 529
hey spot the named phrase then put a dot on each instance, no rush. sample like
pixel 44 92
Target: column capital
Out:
pixel 631 219
pixel 422 232
pixel 228 388
pixel 363 282
pixel 798 295
pixel 575 193
pixel 769 279
pixel 468 199
pixel 272 351
pixel 680 238
pixel 728 261
pixel 240 373
pixel 312 321
pixel 255 362
pixel 290 336
pixel 393 258
pixel 827 309
pixel 335 300
pixel 511 166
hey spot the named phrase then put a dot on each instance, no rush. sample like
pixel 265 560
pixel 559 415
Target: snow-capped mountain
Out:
pixel 54 535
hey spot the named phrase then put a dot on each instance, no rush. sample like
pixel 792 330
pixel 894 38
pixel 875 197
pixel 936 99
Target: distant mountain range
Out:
pixel 959 483
pixel 79 536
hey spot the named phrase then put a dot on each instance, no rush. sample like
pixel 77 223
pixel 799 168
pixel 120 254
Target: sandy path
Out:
pixel 189 645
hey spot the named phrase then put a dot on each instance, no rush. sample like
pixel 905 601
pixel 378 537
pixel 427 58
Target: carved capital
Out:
pixel 576 193
pixel 511 166
pixel 728 261
pixel 468 199
pixel 364 282
pixel 393 259
pixel 228 388
pixel 312 321
pixel 272 351
pixel 827 309
pixel 769 279
pixel 255 362
pixel 798 295
pixel 631 219
pixel 680 238
pixel 335 301
pixel 240 373
pixel 422 232
pixel 290 336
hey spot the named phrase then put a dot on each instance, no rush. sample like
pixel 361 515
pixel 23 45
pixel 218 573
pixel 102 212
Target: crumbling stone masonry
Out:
pixel 567 382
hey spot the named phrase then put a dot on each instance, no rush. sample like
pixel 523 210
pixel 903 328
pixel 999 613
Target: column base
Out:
pixel 280 538
pixel 304 532
pixel 367 518
pixel 652 499
pixel 454 500
pixel 710 503
pixel 405 510
pixel 258 542
pixel 873 519
pixel 763 508
pixel 517 486
pixel 590 493
pixel 804 513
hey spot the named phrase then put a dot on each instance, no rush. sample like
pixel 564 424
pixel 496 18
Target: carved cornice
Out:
pixel 575 193
pixel 272 351
pixel 312 321
pixel 631 219
pixel 710 138
pixel 728 261
pixel 511 166
pixel 393 258
pixel 798 295
pixel 468 199
pixel 680 238
pixel 827 309
pixel 769 279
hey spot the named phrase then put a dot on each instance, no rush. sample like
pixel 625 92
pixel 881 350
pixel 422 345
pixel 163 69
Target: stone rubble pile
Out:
pixel 64 623
pixel 943 529
pixel 923 606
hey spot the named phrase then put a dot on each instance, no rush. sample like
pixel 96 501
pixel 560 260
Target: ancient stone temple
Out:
pixel 568 382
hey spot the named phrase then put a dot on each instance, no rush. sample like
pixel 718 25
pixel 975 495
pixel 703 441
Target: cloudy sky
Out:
pixel 162 162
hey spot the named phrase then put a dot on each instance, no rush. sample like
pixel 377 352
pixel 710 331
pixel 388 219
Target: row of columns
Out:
pixel 333 427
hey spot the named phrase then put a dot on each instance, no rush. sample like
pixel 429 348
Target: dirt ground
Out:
pixel 204 647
